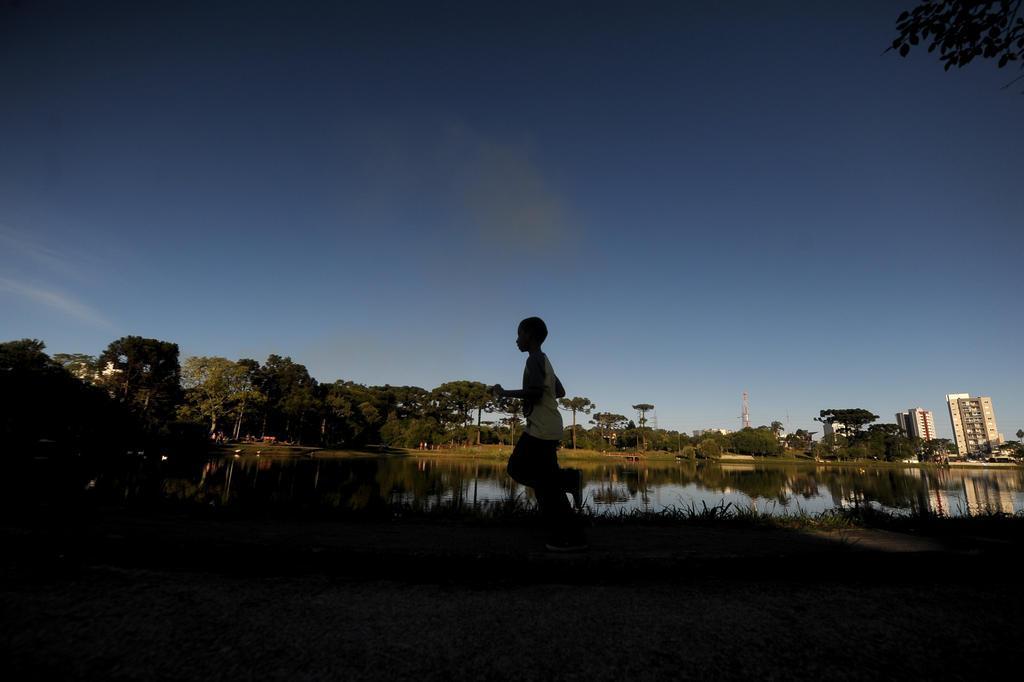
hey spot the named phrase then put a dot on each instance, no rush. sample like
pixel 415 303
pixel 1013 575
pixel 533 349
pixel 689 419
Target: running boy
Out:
pixel 534 460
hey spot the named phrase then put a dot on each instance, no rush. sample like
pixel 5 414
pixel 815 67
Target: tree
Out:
pixel 212 384
pixel 1020 435
pixel 511 407
pixel 759 441
pixel 25 355
pixel 799 440
pixel 776 428
pixel 80 365
pixel 937 449
pixel 666 440
pixel 247 395
pixel 609 423
pixel 887 441
pixel 581 405
pixel 831 445
pixel 482 399
pixel 962 30
pixel 643 409
pixel 410 416
pixel 27 375
pixel 847 421
pixel 1011 449
pixel 144 375
pixel 709 448
pixel 456 400
pixel 352 414
pixel 409 402
pixel 43 403
pixel 290 395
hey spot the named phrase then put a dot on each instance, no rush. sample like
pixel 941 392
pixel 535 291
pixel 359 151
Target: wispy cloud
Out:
pixel 21 245
pixel 56 300
pixel 508 198
pixel 492 189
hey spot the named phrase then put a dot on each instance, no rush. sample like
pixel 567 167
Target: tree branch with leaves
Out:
pixel 962 30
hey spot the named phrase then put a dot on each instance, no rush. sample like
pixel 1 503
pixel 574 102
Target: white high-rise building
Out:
pixel 697 433
pixel 974 423
pixel 837 428
pixel 917 422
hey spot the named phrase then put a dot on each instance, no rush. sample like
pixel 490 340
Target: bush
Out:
pixel 755 442
pixel 709 449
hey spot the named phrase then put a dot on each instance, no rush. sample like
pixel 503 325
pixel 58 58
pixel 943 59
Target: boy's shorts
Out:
pixel 534 461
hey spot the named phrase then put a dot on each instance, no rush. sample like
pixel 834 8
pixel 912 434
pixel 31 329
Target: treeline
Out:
pixel 47 407
pixel 137 391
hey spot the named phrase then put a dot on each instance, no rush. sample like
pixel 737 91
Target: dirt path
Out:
pixel 165 597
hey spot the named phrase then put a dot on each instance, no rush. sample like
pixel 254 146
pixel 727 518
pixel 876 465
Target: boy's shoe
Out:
pixel 576 488
pixel 566 546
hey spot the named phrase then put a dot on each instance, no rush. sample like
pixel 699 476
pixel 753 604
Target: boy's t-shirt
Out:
pixel 543 419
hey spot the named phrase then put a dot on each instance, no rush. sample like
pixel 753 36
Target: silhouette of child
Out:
pixel 534 460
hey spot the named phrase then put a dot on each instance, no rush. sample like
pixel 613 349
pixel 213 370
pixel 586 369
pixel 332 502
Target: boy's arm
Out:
pixel 533 383
pixel 559 389
pixel 531 394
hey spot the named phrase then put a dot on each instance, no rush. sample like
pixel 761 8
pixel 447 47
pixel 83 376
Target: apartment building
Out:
pixel 917 422
pixel 974 423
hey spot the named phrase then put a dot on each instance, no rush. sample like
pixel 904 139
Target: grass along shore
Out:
pixel 730 515
pixel 496 452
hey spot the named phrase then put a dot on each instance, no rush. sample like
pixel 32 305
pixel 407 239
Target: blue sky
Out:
pixel 700 200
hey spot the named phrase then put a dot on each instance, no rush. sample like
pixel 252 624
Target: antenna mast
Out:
pixel 746 411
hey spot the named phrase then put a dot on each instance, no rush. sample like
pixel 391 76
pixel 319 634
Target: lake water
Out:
pixel 425 482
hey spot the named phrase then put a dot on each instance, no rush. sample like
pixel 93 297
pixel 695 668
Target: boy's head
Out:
pixel 532 332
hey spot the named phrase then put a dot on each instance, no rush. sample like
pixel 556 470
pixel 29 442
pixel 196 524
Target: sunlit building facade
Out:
pixel 838 428
pixel 697 433
pixel 974 423
pixel 917 422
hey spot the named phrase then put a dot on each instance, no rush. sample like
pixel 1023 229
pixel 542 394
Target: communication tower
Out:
pixel 746 411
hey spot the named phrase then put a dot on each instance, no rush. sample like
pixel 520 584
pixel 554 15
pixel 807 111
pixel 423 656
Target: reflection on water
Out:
pixel 426 482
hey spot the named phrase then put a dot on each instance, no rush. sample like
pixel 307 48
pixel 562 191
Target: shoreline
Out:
pixel 201 539
pixel 502 452
pixel 499 453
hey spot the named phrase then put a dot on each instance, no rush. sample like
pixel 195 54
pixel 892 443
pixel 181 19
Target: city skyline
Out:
pixel 699 200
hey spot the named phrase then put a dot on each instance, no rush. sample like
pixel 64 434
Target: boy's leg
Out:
pixel 572 483
pixel 565 530
pixel 534 463
pixel 523 464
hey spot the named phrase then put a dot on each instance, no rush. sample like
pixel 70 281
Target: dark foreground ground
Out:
pixel 161 596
